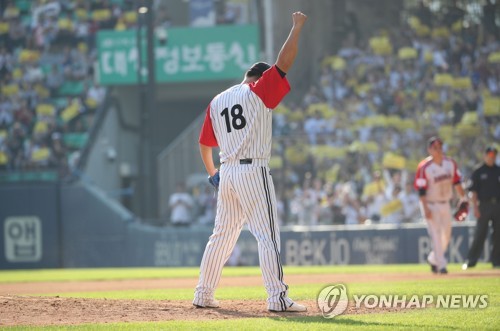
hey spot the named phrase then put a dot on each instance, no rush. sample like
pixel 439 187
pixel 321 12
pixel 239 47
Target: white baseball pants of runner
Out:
pixel 246 195
pixel 439 229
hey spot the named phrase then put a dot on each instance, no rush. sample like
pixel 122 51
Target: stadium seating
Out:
pixel 47 55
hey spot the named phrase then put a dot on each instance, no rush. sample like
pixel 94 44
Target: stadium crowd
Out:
pixel 48 95
pixel 345 154
pixel 348 152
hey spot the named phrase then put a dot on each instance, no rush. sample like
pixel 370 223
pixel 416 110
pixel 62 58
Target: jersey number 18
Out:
pixel 237 120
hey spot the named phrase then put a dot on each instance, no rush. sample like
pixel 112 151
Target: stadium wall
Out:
pixel 31 226
pixel 115 147
pixel 73 226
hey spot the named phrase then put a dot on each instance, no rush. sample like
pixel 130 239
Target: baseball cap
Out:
pixel 491 149
pixel 257 69
pixel 434 139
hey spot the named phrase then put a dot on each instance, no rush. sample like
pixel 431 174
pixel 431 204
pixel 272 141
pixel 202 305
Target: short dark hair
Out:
pixel 257 69
pixel 433 139
pixel 490 149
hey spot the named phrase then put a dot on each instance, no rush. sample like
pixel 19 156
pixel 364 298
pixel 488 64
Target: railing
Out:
pixel 28 176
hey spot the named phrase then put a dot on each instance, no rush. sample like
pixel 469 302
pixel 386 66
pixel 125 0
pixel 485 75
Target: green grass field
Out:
pixel 429 318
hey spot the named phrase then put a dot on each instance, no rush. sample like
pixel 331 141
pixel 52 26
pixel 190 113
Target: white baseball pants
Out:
pixel 439 229
pixel 246 195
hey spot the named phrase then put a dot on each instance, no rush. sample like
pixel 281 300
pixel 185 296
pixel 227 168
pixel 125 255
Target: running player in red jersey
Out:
pixel 239 122
pixel 435 178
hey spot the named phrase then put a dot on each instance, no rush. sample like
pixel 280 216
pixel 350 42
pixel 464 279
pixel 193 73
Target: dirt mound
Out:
pixel 20 310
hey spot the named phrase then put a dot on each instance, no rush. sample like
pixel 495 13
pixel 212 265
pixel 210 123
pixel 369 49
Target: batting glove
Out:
pixel 214 180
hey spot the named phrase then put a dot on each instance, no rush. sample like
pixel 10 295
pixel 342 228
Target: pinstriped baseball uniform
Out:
pixel 239 121
pixel 438 180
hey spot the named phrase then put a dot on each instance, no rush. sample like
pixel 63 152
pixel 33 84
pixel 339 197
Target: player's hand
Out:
pixel 299 19
pixel 214 180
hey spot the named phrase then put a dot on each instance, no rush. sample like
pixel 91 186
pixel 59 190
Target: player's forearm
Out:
pixel 206 157
pixel 288 52
pixel 460 191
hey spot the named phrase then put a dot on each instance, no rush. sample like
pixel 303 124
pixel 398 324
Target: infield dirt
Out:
pixel 19 304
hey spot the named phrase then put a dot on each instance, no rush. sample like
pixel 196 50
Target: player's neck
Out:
pixel 437 159
pixel 249 80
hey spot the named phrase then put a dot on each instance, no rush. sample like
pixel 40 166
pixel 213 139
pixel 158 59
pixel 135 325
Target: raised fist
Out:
pixel 299 18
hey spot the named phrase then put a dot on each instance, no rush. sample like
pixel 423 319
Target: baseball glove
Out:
pixel 214 180
pixel 462 211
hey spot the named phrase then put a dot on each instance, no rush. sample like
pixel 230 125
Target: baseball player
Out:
pixel 239 122
pixel 435 177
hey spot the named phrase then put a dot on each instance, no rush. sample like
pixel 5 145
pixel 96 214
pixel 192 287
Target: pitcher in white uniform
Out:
pixel 239 122
pixel 435 178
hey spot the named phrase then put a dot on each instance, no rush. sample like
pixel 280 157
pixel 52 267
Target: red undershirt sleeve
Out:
pixel 207 135
pixel 271 87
